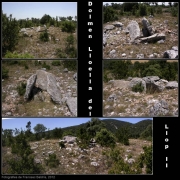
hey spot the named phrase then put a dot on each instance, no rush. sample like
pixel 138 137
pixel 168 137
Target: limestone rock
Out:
pixel 133 29
pixel 30 83
pixel 72 105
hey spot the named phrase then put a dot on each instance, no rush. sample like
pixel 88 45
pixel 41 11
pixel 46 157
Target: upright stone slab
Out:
pixel 133 29
pixel 30 83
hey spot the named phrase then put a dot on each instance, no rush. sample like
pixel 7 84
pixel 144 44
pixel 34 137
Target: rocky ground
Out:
pixel 41 105
pixel 119 99
pixel 74 160
pixel 30 43
pixel 123 40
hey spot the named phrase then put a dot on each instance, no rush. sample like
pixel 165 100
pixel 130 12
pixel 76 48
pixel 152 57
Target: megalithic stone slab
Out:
pixel 30 83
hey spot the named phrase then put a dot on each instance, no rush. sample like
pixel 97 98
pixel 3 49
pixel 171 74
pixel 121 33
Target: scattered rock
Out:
pixel 173 53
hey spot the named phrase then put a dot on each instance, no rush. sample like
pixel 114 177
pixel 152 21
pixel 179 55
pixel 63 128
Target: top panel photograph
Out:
pixel 140 30
pixel 46 30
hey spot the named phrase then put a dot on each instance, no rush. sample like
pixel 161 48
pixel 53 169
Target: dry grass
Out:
pixel 38 49
pixel 70 163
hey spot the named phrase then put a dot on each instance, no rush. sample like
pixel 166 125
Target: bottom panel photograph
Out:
pixel 56 146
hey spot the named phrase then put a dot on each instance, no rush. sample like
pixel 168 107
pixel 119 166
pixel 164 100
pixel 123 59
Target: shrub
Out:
pixel 174 11
pixel 68 26
pixel 70 49
pixel 159 10
pixel 10 31
pixel 46 66
pixel 21 89
pixel 123 135
pixel 71 52
pixel 146 159
pixel 109 14
pixel 142 10
pixel 60 53
pixel 52 161
pixel 26 66
pixel 44 36
pixel 105 138
pixel 151 10
pixel 56 63
pixel 61 144
pixel 106 78
pixel 24 161
pixel 5 73
pixel 70 64
pixel 36 63
pixel 22 62
pixel 138 87
pixel 115 155
pixel 16 55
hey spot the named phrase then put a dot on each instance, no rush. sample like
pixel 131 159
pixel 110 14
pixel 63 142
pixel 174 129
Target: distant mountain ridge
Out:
pixel 113 125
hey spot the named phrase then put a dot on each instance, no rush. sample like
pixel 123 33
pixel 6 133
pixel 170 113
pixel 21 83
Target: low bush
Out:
pixel 52 161
pixel 5 73
pixel 16 55
pixel 61 144
pixel 44 36
pixel 70 64
pixel 68 26
pixel 21 89
pixel 138 87
pixel 56 63
pixel 44 65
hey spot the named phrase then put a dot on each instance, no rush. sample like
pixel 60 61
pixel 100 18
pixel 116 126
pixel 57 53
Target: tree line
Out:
pixel 125 68
pixel 111 12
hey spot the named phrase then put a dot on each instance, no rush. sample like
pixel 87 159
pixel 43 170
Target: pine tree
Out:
pixel 10 30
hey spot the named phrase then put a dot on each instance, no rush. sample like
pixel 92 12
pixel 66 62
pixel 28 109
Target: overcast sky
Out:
pixel 23 10
pixel 52 123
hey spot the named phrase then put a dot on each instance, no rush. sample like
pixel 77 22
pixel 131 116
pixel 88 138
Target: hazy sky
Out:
pixel 166 3
pixel 52 123
pixel 23 10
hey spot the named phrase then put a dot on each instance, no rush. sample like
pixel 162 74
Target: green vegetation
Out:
pixel 10 31
pixel 125 68
pixel 109 14
pixel 52 161
pixel 57 133
pixel 61 144
pixel 69 51
pixel 147 133
pixel 118 166
pixel 56 63
pixel 105 138
pixel 68 26
pixel 146 159
pixel 44 65
pixel 22 160
pixel 138 87
pixel 71 65
pixel 16 55
pixel 21 89
pixel 44 36
pixel 123 135
pixel 5 73
pixel 112 12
